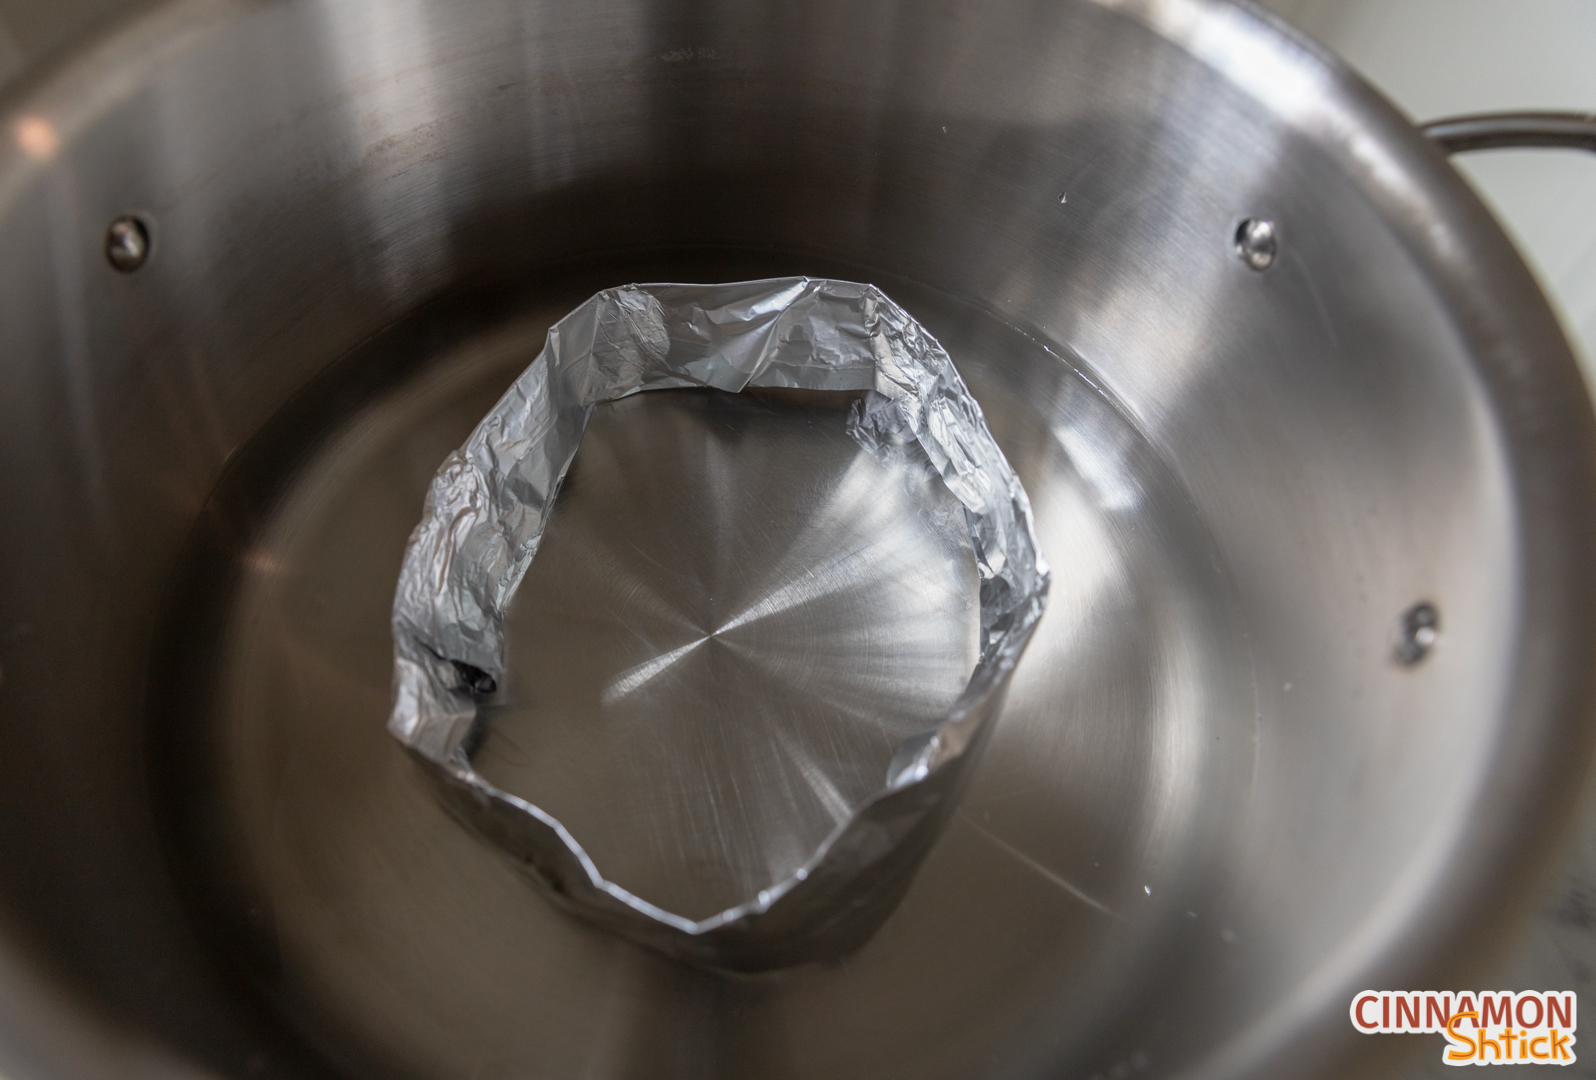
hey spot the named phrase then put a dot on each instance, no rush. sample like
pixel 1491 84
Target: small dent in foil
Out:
pixel 473 680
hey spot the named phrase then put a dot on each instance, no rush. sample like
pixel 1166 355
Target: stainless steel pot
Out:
pixel 1308 451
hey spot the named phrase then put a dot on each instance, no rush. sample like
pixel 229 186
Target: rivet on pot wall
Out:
pixel 1420 625
pixel 1256 243
pixel 127 243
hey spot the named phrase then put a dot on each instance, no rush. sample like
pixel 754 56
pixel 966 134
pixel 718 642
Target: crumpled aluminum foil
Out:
pixel 490 501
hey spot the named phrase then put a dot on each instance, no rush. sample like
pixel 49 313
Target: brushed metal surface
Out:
pixel 340 839
pixel 1215 805
pixel 733 622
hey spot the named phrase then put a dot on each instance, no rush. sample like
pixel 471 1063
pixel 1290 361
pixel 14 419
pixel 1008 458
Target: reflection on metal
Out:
pixel 485 519
pixel 37 137
pixel 1504 131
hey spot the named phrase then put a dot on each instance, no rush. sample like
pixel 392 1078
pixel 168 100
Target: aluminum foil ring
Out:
pixel 489 504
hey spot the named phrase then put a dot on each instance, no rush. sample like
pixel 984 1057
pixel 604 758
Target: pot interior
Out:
pixel 1215 798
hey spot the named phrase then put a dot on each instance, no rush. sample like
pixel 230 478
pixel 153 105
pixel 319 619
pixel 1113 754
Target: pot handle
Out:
pixel 1495 131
